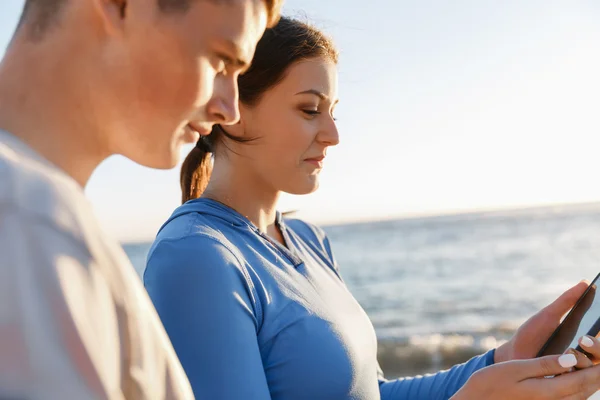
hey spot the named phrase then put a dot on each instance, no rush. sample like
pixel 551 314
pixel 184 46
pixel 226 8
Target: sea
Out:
pixel 442 289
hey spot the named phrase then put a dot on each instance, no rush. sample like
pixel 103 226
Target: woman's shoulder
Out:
pixel 314 236
pixel 198 259
pixel 192 230
pixel 306 230
pixel 193 244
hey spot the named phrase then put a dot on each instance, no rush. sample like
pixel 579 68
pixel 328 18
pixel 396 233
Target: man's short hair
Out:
pixel 41 14
pixel 273 7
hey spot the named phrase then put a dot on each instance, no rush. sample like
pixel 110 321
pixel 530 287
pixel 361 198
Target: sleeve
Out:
pixel 208 305
pixel 440 386
pixel 50 346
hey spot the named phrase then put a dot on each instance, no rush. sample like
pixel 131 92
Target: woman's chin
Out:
pixel 308 187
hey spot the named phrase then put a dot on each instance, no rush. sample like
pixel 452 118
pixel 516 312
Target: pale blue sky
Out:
pixel 445 106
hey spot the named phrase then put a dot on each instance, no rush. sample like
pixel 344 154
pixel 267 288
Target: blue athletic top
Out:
pixel 252 319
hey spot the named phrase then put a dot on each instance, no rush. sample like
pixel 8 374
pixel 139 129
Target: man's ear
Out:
pixel 111 14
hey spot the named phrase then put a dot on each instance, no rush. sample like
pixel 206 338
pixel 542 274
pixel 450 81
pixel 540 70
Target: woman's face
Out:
pixel 294 126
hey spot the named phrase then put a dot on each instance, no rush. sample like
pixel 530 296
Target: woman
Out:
pixel 254 303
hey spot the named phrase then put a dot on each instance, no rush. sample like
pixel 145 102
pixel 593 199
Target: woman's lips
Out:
pixel 316 161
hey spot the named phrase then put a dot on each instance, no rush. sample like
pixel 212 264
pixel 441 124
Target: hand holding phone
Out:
pixel 523 380
pixel 582 320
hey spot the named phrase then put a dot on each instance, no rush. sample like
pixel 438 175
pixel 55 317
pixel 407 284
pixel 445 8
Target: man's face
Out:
pixel 173 75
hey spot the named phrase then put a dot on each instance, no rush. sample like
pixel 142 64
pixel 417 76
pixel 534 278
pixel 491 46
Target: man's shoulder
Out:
pixel 95 282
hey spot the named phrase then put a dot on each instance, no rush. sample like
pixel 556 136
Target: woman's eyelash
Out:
pixel 315 112
pixel 311 112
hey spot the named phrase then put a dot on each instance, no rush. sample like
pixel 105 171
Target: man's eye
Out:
pixel 220 62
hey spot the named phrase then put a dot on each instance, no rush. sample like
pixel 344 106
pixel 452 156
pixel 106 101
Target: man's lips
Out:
pixel 202 130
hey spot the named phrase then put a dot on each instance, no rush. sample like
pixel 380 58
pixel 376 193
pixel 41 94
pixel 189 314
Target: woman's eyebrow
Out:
pixel 321 95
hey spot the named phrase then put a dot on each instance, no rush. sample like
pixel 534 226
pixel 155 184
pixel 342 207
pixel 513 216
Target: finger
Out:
pixel 581 383
pixel 591 345
pixel 540 367
pixel 567 300
pixel 582 360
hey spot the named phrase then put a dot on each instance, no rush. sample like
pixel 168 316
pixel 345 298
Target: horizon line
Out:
pixel 429 215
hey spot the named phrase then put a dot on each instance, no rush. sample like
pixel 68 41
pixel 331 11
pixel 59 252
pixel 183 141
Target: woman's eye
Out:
pixel 311 112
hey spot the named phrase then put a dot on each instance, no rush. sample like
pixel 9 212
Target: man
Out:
pixel 80 81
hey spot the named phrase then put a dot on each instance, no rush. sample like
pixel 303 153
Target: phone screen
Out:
pixel 583 319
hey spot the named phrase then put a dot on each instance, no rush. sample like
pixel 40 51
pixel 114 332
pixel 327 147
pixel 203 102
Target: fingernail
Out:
pixel 586 341
pixel 567 360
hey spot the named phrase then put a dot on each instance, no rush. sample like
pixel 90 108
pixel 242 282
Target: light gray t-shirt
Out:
pixel 75 320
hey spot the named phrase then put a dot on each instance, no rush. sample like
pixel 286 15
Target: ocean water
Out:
pixel 439 290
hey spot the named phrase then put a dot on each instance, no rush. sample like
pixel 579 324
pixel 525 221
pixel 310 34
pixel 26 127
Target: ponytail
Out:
pixel 196 169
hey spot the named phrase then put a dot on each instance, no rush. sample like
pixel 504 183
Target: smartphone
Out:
pixel 583 319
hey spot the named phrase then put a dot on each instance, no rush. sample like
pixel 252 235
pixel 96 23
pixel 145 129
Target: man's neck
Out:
pixel 45 103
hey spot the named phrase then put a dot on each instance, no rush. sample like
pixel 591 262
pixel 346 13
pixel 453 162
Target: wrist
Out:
pixel 502 353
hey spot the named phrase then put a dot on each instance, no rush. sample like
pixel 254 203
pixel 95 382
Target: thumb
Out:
pixel 541 367
pixel 567 300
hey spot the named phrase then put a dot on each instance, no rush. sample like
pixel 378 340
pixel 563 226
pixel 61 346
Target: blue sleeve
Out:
pixel 440 386
pixel 208 305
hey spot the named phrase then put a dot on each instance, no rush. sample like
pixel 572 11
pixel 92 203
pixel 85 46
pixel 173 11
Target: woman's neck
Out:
pixel 249 196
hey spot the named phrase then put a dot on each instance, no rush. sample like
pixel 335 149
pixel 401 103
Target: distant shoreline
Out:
pixel 449 214
pixel 476 213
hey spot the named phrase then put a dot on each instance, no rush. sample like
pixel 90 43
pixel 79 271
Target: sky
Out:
pixel 444 107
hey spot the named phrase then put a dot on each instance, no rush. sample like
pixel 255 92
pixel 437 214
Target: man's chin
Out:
pixel 163 161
